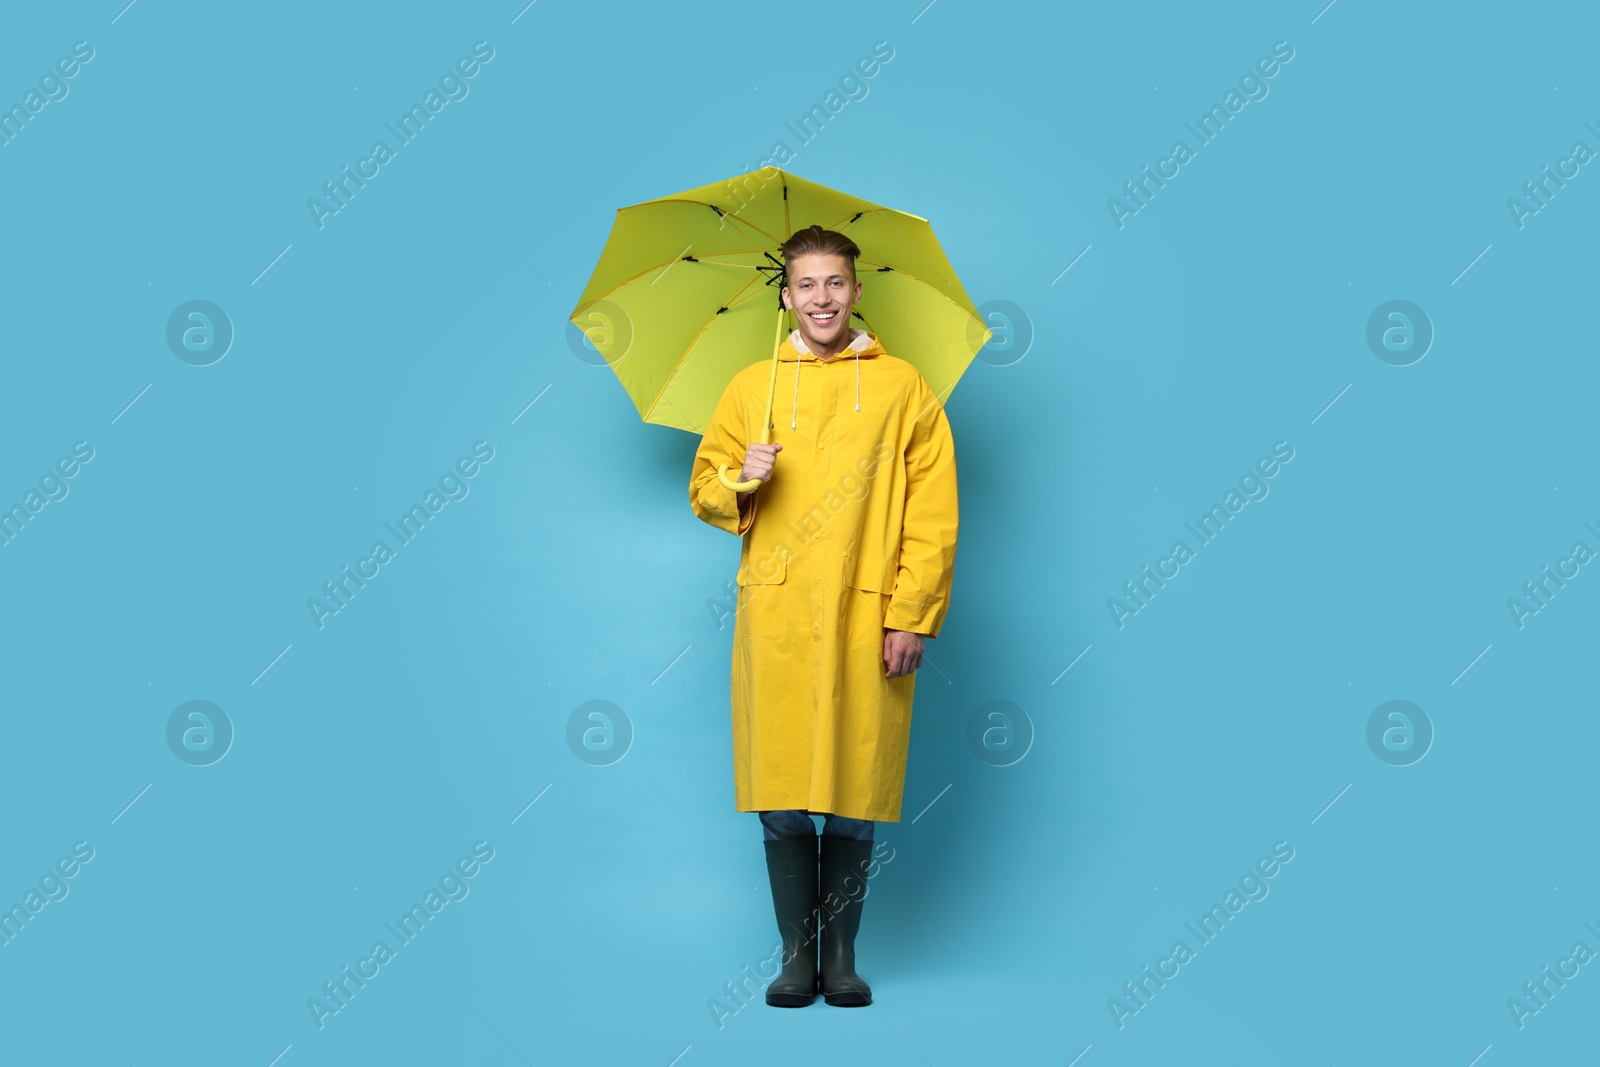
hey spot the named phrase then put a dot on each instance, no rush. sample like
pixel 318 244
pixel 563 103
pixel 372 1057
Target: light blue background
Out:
pixel 428 314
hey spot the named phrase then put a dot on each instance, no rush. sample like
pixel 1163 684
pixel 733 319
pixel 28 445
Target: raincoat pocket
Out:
pixel 869 582
pixel 761 599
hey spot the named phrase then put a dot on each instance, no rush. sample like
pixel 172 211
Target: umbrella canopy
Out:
pixel 685 294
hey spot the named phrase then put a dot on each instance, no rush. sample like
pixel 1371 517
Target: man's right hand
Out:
pixel 758 460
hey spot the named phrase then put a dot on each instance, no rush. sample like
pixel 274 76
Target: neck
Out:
pixel 828 352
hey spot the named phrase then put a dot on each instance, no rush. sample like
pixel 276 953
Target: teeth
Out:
pixel 824 318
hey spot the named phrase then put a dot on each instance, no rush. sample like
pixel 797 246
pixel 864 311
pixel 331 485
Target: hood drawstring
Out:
pixel 794 410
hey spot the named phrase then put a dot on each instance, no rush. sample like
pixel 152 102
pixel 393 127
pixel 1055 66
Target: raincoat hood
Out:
pixel 863 345
pixel 794 350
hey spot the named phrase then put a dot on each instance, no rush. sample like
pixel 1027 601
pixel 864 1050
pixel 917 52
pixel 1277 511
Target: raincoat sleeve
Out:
pixel 921 593
pixel 722 442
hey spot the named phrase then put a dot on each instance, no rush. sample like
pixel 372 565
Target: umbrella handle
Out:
pixel 766 424
pixel 733 483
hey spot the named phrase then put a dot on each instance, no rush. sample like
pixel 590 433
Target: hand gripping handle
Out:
pixel 766 424
pixel 737 486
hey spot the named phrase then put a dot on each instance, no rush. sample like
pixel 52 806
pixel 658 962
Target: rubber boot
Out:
pixel 792 869
pixel 842 891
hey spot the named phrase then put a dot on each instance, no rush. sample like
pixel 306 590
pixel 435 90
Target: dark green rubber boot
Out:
pixel 842 891
pixel 792 869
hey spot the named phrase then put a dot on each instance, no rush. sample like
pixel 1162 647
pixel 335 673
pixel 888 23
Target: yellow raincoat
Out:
pixel 854 533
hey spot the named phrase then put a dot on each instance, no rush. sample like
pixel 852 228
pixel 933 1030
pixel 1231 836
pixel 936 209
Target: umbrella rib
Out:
pixel 919 280
pixel 658 266
pixel 676 259
pixel 909 242
pixel 706 257
pixel 624 282
pixel 738 223
pixel 722 211
pixel 683 200
pixel 690 346
pixel 879 207
pixel 946 297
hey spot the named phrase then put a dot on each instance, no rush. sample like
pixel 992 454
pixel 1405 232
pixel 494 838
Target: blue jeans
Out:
pixel 782 823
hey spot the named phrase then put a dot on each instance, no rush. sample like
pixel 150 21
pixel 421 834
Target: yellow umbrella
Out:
pixel 684 293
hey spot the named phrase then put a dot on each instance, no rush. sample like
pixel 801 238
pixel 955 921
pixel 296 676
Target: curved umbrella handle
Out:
pixel 733 483
pixel 766 432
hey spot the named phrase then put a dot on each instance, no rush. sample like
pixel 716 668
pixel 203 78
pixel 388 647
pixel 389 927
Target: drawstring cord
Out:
pixel 794 409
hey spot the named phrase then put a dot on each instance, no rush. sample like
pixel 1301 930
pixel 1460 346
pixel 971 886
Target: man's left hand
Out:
pixel 902 652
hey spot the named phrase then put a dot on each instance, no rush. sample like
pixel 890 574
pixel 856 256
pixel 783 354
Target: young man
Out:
pixel 845 566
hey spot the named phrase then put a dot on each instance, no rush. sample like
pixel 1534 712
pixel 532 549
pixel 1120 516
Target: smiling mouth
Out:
pixel 822 318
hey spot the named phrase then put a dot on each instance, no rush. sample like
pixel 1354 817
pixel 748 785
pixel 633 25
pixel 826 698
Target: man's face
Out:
pixel 821 291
